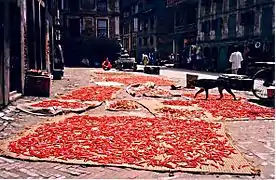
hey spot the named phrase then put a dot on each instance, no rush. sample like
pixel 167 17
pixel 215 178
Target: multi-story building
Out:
pixel 24 43
pixel 89 23
pixel 223 24
pixel 184 28
pixel 153 28
pixel 129 25
pixel 145 26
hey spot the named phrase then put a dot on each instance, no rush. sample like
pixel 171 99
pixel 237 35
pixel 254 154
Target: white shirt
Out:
pixel 236 59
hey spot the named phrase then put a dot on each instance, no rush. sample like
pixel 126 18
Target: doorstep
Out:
pixel 14 95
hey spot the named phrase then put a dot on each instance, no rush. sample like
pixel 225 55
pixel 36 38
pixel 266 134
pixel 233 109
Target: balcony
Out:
pixel 185 28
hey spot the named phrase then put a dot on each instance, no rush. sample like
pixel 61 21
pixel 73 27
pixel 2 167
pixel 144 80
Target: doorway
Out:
pixel 1 54
pixel 15 48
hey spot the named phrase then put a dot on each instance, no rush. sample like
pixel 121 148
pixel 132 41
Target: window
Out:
pixel 126 43
pixel 87 4
pixel 232 25
pixel 179 18
pixel 191 16
pixel 101 5
pixel 74 27
pixel 207 7
pixel 73 5
pixel 267 22
pixel 135 24
pixel 88 26
pixel 146 25
pixel 151 41
pixel 126 29
pixel 219 6
pixel 214 24
pixel 136 8
pixel 248 18
pixel 102 28
pixel 133 42
pixel 140 26
pixel 206 27
pixel 145 41
pixel 232 4
pixel 140 7
pixel 152 23
pixel 140 42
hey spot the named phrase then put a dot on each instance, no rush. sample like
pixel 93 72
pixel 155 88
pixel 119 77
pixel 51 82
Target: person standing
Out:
pixel 246 56
pixel 235 60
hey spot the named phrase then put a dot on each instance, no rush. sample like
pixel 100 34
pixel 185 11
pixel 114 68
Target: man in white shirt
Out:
pixel 236 59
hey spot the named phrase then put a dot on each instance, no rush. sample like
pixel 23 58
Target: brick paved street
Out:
pixel 254 138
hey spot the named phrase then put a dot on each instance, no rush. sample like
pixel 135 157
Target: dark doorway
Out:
pixel 15 48
pixel 1 53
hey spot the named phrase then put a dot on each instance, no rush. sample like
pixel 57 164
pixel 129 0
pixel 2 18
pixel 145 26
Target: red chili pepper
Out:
pixel 214 165
pixel 80 137
pixel 243 166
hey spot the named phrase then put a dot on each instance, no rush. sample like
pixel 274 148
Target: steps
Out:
pixel 14 95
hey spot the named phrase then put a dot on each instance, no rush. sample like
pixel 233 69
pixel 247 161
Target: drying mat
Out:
pixel 122 105
pixel 233 164
pixel 150 91
pixel 92 93
pixel 151 105
pixel 52 107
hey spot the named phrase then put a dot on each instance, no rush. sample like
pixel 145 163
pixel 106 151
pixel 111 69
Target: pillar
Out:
pixel 6 53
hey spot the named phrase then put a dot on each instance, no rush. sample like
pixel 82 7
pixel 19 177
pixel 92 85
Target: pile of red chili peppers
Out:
pixel 158 92
pixel 123 105
pixel 236 109
pixel 127 80
pixel 57 103
pixel 179 102
pixel 181 113
pixel 210 96
pixel 92 93
pixel 131 140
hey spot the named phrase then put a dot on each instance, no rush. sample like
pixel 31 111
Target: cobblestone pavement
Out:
pixel 254 138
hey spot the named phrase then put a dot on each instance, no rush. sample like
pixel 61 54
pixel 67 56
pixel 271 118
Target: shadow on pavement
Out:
pixel 267 103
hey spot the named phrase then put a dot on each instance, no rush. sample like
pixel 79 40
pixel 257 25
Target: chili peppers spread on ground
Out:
pixel 92 93
pixel 181 113
pixel 179 102
pixel 158 92
pixel 236 109
pixel 57 103
pixel 133 140
pixel 210 96
pixel 123 105
pixel 127 80
pixel 147 91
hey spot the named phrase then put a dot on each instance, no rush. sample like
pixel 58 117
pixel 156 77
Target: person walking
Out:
pixel 235 60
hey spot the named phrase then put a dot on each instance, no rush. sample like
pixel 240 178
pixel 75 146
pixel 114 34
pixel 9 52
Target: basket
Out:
pixel 190 80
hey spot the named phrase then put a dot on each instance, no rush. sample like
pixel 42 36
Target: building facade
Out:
pixel 184 30
pixel 129 25
pixel 248 24
pixel 90 21
pixel 145 26
pixel 25 43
